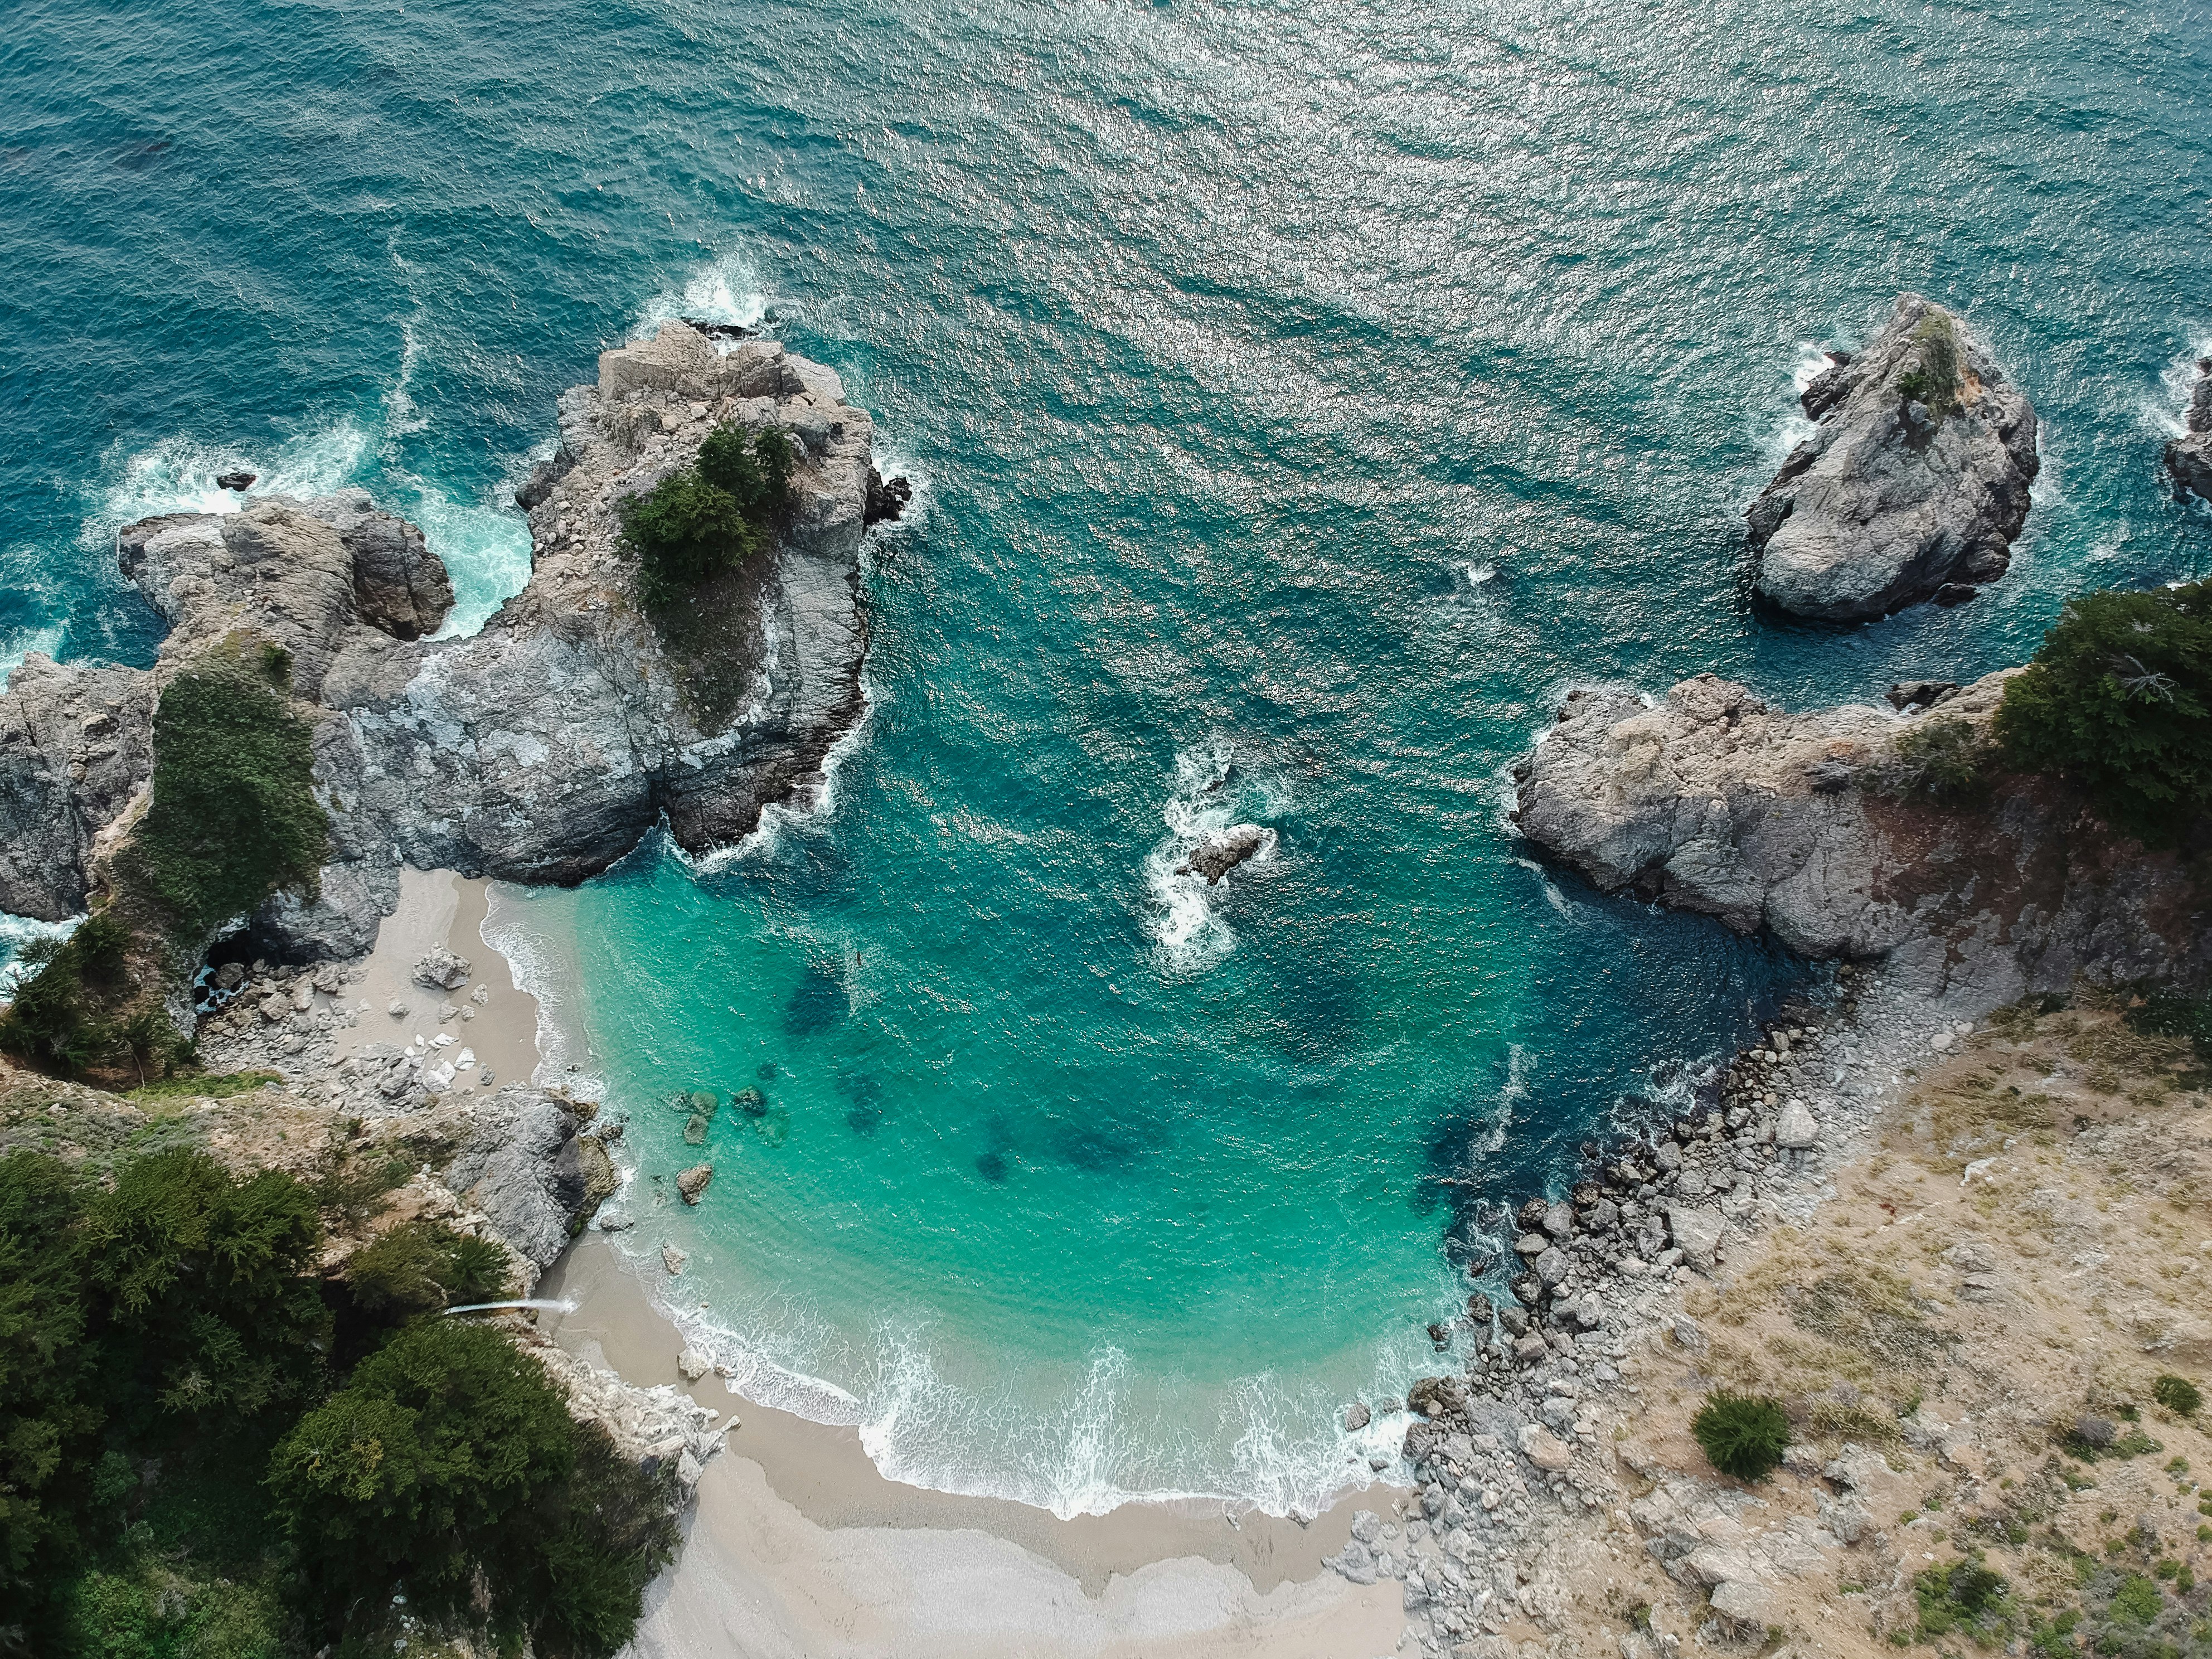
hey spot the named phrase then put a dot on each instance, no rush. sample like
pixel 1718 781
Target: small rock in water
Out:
pixel 692 1182
pixel 750 1101
pixel 1222 852
pixel 236 480
pixel 673 1259
pixel 694 1132
pixel 1356 1416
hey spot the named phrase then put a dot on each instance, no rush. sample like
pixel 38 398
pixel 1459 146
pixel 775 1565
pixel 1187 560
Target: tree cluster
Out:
pixel 208 1450
pixel 712 517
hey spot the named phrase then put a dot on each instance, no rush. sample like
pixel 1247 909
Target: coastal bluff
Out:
pixel 1915 481
pixel 539 750
pixel 1711 800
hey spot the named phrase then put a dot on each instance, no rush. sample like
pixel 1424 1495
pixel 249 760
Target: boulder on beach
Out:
pixel 1913 484
pixel 441 970
pixel 1224 850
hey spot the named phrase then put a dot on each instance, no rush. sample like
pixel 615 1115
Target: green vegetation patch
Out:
pixel 1743 1435
pixel 2118 701
pixel 1944 761
pixel 710 518
pixel 233 816
pixel 201 1085
pixel 2181 1397
pixel 1934 378
pixel 79 1008
pixel 209 1451
pixel 1965 1597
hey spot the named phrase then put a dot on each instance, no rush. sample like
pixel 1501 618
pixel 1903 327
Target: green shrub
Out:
pixel 75 1010
pixel 1934 378
pixel 704 520
pixel 2176 1393
pixel 1965 1595
pixel 1946 761
pixel 1743 1435
pixel 233 816
pixel 421 1265
pixel 2137 1600
pixel 212 1307
pixel 2118 700
pixel 449 1460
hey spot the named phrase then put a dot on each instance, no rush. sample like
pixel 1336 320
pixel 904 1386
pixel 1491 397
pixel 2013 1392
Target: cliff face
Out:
pixel 1915 483
pixel 1713 801
pixel 542 749
pixel 2189 458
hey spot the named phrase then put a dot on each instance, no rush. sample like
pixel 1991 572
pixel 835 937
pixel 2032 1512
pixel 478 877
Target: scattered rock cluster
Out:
pixel 656 1428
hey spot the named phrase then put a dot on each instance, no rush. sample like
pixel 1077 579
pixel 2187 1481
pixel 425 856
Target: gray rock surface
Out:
pixel 1713 801
pixel 1896 497
pixel 2189 458
pixel 516 1168
pixel 542 748
pixel 76 745
pixel 1222 852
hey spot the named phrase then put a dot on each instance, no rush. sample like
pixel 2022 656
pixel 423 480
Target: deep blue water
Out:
pixel 1309 392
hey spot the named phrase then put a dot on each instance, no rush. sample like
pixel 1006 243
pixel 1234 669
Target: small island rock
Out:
pixel 1914 484
pixel 1223 851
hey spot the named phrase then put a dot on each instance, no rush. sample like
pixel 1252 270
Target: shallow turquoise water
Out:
pixel 1309 392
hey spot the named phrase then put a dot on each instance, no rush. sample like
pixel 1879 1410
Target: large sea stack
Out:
pixel 1915 483
pixel 539 750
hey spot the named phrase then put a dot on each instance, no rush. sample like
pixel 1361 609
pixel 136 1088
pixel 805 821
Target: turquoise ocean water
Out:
pixel 1300 397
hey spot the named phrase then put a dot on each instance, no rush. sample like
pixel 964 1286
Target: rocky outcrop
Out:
pixel 540 749
pixel 1914 484
pixel 524 1166
pixel 1713 801
pixel 2189 458
pixel 1223 851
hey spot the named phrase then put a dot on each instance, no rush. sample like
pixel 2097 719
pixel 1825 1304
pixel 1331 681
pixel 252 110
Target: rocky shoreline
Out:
pixel 1510 1453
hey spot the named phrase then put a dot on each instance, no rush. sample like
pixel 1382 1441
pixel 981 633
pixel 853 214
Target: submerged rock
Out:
pixel 1914 484
pixel 2189 458
pixel 1223 851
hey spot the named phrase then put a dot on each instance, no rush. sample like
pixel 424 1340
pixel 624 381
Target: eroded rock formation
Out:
pixel 543 747
pixel 1915 483
pixel 1711 800
pixel 2189 458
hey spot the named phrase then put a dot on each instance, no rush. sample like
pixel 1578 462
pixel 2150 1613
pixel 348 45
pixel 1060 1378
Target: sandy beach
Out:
pixel 797 1547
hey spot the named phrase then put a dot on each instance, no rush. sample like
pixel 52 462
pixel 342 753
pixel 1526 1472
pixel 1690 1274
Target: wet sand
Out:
pixel 799 1547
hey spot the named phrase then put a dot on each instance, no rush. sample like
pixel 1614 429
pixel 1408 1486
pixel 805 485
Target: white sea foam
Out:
pixel 1075 1444
pixel 47 640
pixel 2166 411
pixel 1214 787
pixel 178 474
pixel 725 290
pixel 544 967
pixel 1777 433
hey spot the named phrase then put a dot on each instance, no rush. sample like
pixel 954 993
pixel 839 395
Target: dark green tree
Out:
pixel 212 1308
pixel 706 520
pixel 49 1419
pixel 233 816
pixel 2118 700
